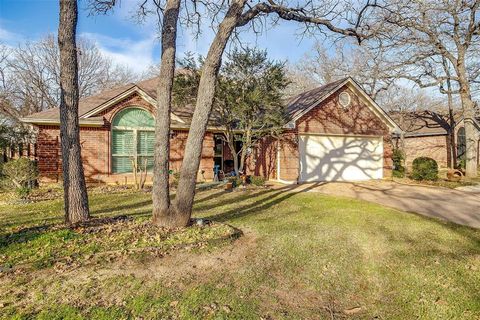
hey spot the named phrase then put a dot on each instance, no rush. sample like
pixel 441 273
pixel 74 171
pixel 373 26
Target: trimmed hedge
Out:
pixel 424 168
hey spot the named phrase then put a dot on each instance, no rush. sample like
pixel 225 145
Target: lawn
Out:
pixel 301 256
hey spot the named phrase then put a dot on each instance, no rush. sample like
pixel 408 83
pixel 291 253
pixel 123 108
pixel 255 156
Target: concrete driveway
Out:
pixel 459 206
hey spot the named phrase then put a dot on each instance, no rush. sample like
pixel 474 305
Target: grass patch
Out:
pixel 442 181
pixel 101 240
pixel 303 256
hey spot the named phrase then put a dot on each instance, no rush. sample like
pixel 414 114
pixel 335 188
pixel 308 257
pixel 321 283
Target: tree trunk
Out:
pixel 230 137
pixel 247 141
pixel 471 169
pixel 75 190
pixel 468 106
pixel 451 118
pixel 451 132
pixel 162 215
pixel 206 92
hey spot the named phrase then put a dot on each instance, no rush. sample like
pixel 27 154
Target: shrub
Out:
pixel 23 192
pixel 398 169
pixel 424 168
pixel 461 163
pixel 257 181
pixel 21 174
pixel 236 181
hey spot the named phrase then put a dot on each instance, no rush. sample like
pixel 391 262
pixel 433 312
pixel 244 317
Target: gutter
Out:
pixel 81 122
pixel 414 135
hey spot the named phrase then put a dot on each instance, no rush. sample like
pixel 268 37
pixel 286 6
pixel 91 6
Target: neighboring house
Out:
pixel 427 134
pixel 336 132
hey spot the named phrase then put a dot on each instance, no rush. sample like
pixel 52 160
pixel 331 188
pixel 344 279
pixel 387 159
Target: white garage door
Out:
pixel 340 158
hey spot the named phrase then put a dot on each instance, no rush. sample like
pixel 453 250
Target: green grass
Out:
pixel 303 256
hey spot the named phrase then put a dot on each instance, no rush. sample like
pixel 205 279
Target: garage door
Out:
pixel 340 158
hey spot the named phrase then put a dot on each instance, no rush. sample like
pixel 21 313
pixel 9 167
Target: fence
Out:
pixel 12 152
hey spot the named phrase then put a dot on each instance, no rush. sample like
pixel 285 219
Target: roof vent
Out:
pixel 344 99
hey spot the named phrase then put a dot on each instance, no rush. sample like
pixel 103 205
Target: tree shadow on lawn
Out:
pixel 275 196
pixel 125 207
pixel 429 252
pixel 23 235
pixel 100 213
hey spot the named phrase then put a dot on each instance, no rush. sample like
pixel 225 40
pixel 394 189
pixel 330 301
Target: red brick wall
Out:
pixel 48 152
pixel 435 147
pixel 96 155
pixel 263 159
pixel 331 118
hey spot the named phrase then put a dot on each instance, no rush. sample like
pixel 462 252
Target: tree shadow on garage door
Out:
pixel 337 158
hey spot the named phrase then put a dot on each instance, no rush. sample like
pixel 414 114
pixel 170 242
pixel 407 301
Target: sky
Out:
pixel 127 42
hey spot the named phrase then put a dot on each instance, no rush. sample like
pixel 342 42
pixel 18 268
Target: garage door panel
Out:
pixel 337 158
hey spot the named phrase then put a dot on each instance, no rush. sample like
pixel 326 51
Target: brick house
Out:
pixel 427 134
pixel 335 132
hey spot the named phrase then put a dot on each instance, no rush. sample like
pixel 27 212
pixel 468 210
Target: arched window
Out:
pixel 132 140
pixel 461 144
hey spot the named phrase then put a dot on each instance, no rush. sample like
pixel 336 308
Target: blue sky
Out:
pixel 128 42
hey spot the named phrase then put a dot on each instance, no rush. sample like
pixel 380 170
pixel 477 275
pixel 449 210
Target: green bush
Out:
pixel 23 192
pixel 257 181
pixel 424 168
pixel 236 181
pixel 21 175
pixel 461 163
pixel 398 158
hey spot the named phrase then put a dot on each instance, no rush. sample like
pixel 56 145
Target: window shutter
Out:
pixel 145 142
pixel 122 151
pixel 145 147
pixel 132 136
pixel 122 164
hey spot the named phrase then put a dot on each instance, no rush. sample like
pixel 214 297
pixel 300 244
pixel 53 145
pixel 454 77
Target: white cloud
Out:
pixel 9 37
pixel 136 54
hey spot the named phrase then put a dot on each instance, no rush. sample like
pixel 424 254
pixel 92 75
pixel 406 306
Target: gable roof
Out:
pixel 427 122
pixel 306 101
pixel 421 123
pixel 297 105
pixel 89 107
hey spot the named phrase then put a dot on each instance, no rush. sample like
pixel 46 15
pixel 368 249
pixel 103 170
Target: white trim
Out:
pixel 340 135
pixel 124 95
pixel 81 122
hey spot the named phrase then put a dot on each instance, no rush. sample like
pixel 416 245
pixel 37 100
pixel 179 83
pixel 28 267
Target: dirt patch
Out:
pixel 171 265
pixel 176 264
pixel 174 269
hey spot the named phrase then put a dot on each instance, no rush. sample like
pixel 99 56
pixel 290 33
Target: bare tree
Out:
pixel 422 35
pixel 30 75
pixel 370 68
pixel 6 109
pixel 75 190
pixel 299 81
